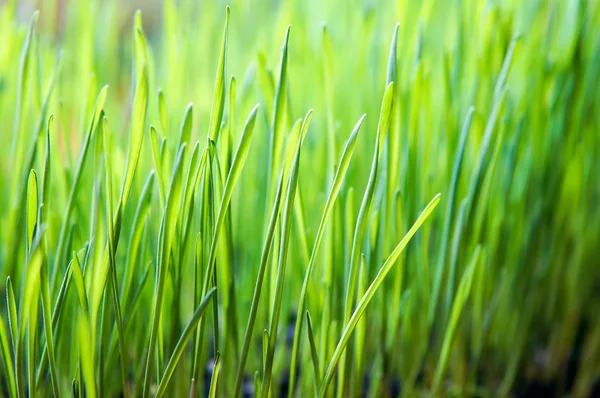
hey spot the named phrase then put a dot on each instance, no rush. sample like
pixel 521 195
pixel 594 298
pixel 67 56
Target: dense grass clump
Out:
pixel 401 200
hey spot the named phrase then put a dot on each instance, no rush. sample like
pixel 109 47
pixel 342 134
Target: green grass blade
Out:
pixel 182 343
pixel 216 114
pixel 22 79
pixel 364 301
pixel 7 358
pixel 186 126
pixel 166 237
pixel 363 214
pixel 11 309
pixel 313 352
pixel 344 163
pixel 112 253
pixel 458 159
pixel 258 287
pixel 462 295
pixel 212 392
pixel 236 168
pixel 158 164
pixel 286 223
pixel 76 181
pixel 32 209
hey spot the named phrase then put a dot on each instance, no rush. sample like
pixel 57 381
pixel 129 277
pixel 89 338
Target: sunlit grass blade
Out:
pixel 107 148
pixel 364 301
pixel 264 258
pixel 216 114
pixel 76 181
pixel 313 352
pixel 462 295
pixel 11 309
pixel 364 212
pixel 166 237
pixel 6 356
pixel 286 223
pixel 445 237
pixel 181 344
pixel 344 163
pixel 214 379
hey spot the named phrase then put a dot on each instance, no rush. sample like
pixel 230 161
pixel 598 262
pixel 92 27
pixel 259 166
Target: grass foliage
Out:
pixel 216 201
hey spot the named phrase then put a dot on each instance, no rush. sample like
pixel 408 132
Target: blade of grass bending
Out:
pixel 185 132
pixel 331 144
pixel 56 311
pixel 11 309
pixel 461 297
pixel 166 236
pixel 278 118
pixel 207 210
pixel 130 310
pixel 286 224
pixel 22 78
pixel 83 330
pixel 182 342
pixel 216 113
pixel 7 358
pixel 28 164
pixel 76 180
pixel 212 392
pixel 237 165
pixel 158 165
pixel 112 252
pixel 361 326
pixel 32 210
pixel 47 172
pixel 362 305
pixel 271 226
pixel 135 238
pixel 344 163
pixel 30 311
pixel 140 105
pixel 163 113
pixel 363 214
pixel 460 150
pixel 313 352
pixel 138 121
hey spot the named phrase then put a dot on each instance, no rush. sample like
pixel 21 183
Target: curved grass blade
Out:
pixel 212 392
pixel 237 165
pixel 271 226
pixel 166 237
pixel 32 209
pixel 87 355
pixel 76 181
pixel 462 295
pixel 157 164
pixel 277 121
pixel 181 344
pixel 22 79
pixel 112 252
pixel 313 352
pixel 216 113
pixel 362 305
pixel 11 309
pixel 460 150
pixel 363 214
pixel 6 356
pixel 344 163
pixel 286 224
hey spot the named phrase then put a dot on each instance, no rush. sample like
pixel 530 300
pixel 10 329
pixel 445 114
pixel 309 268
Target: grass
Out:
pixel 244 200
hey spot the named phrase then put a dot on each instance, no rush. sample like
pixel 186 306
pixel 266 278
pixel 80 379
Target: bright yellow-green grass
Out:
pixel 302 197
